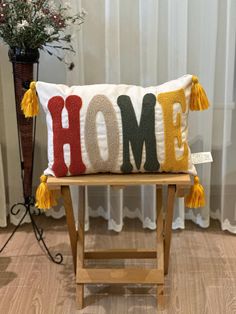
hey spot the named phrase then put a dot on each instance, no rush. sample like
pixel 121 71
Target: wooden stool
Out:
pixel 175 186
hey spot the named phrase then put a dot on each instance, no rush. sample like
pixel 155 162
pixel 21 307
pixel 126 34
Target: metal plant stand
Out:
pixel 23 68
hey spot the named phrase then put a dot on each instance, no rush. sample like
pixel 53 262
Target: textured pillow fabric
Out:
pixel 117 128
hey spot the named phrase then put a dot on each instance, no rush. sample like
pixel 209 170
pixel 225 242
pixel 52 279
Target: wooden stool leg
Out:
pixel 160 245
pixel 80 246
pixel 65 191
pixel 168 225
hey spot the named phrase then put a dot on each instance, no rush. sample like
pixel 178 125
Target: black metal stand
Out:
pixel 29 201
pixel 38 232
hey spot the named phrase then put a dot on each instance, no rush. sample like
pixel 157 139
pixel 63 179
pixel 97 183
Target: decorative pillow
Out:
pixel 118 128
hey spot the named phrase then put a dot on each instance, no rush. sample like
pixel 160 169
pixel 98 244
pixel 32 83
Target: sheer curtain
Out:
pixel 148 42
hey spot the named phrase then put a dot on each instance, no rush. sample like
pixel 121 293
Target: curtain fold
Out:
pixel 148 42
pixel 3 209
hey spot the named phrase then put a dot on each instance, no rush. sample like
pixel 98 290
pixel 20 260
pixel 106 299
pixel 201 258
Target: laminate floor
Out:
pixel 201 279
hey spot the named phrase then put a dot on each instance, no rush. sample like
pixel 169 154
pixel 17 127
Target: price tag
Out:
pixel 201 158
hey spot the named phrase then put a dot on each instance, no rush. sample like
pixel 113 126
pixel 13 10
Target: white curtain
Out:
pixel 148 42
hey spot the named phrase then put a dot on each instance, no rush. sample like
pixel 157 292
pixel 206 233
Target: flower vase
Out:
pixel 23 61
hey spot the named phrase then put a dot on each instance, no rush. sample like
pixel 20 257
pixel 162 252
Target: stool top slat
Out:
pixel 122 179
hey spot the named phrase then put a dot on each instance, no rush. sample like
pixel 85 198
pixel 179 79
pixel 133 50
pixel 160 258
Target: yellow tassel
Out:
pixel 196 197
pixel 45 198
pixel 29 104
pixel 198 100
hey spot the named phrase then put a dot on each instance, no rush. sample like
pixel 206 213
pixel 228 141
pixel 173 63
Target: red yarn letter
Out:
pixel 70 135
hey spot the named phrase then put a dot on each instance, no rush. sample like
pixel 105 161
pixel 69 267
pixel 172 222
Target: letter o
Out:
pixel 100 103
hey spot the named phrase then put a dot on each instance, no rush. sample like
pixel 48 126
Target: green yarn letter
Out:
pixel 135 135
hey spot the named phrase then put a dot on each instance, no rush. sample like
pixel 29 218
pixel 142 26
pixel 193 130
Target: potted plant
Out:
pixel 27 26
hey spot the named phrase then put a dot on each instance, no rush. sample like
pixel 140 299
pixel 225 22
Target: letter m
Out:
pixel 135 135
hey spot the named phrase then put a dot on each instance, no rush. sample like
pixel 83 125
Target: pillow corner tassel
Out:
pixel 45 198
pixel 198 99
pixel 196 197
pixel 29 103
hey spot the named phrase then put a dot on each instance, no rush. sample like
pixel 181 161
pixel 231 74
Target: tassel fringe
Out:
pixel 196 197
pixel 198 100
pixel 45 198
pixel 29 104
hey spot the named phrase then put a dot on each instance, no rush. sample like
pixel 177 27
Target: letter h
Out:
pixel 70 135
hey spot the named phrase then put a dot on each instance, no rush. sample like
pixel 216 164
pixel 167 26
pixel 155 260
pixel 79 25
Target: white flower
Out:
pixel 39 14
pixel 49 30
pixel 21 25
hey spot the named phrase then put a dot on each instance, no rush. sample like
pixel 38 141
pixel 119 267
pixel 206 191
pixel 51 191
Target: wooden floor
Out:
pixel 202 274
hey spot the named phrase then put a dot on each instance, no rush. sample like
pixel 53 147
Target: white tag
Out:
pixel 201 158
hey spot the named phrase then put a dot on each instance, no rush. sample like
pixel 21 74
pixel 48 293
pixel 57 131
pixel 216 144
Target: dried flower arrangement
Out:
pixel 38 24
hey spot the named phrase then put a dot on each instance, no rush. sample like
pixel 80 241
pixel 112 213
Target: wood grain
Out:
pixel 181 191
pixel 80 247
pixel 121 179
pixel 160 245
pixel 120 276
pixel 201 278
pixel 168 225
pixel 121 253
pixel 65 191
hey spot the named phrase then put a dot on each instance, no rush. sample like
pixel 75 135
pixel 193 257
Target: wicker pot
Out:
pixel 23 73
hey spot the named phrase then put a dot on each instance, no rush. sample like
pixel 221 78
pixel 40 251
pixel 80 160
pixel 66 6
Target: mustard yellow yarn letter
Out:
pixel 172 131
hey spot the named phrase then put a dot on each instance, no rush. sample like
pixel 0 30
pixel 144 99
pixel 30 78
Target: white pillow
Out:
pixel 117 128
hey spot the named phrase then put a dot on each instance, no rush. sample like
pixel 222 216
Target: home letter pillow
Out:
pixel 118 128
